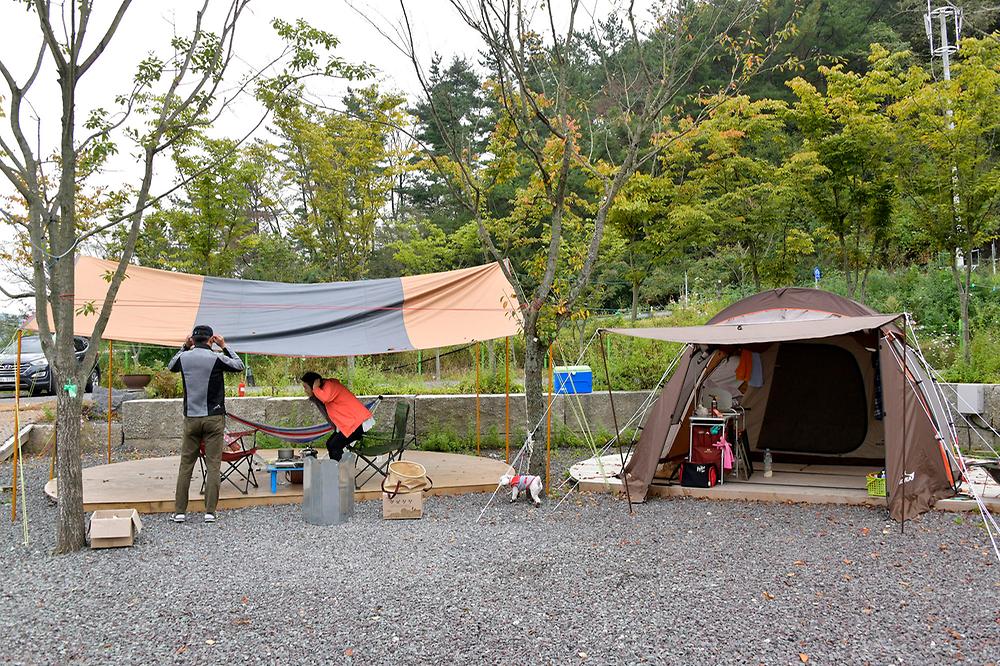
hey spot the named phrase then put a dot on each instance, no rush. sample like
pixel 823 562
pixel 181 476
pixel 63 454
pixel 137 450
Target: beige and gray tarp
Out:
pixel 327 319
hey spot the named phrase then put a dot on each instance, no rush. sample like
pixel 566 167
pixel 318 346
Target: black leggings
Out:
pixel 337 442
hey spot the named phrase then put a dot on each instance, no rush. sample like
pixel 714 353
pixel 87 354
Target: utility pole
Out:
pixel 945 49
pixel 948 16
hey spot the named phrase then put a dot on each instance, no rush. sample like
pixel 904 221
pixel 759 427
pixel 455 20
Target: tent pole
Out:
pixel 111 361
pixel 548 420
pixel 614 417
pixel 902 523
pixel 506 409
pixel 478 348
pixel 17 430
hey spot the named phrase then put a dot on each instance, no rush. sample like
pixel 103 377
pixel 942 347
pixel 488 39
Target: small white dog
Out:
pixel 523 482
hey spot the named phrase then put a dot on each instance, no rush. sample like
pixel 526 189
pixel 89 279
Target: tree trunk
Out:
pixel 964 292
pixel 754 268
pixel 534 366
pixel 70 532
pixel 635 300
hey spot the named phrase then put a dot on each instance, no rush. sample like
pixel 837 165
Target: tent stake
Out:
pixel 614 417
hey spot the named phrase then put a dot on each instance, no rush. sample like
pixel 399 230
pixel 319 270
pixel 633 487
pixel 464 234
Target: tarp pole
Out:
pixel 111 361
pixel 17 430
pixel 548 421
pixel 478 348
pixel 614 417
pixel 55 449
pixel 506 408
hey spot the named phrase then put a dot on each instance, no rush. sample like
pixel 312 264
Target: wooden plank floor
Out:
pixel 807 484
pixel 148 485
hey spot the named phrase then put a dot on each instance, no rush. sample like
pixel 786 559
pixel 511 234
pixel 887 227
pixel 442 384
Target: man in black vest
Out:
pixel 202 371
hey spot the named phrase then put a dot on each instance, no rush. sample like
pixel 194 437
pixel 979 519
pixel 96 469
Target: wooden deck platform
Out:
pixel 148 484
pixel 808 484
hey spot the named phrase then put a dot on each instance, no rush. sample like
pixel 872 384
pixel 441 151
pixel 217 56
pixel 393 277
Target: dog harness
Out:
pixel 522 481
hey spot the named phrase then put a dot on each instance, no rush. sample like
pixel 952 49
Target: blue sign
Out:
pixel 817 274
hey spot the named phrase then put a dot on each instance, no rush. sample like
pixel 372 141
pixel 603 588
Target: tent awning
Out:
pixel 327 319
pixel 744 334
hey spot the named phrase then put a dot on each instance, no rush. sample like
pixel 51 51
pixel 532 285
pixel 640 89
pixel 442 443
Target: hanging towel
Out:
pixel 727 451
pixel 756 371
pixel 743 370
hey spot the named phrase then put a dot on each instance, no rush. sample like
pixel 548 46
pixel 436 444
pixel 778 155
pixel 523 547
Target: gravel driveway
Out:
pixel 681 582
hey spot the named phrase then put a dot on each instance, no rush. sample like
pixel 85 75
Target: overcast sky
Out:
pixel 149 25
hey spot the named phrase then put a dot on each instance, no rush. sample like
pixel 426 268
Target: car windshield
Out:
pixel 29 345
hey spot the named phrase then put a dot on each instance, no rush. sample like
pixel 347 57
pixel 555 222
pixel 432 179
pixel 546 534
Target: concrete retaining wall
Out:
pixel 93 437
pixel 155 425
pixel 972 436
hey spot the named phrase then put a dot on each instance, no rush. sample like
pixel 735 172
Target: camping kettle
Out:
pixel 308 452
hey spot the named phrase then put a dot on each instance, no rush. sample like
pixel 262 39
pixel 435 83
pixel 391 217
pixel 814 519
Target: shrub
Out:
pixel 165 384
pixel 444 441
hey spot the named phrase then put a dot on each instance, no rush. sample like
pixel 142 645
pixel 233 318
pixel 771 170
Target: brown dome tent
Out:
pixel 830 389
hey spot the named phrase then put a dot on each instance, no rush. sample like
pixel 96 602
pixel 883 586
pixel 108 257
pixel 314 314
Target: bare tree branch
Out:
pixel 105 40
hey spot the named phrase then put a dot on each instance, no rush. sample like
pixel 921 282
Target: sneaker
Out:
pixel 178 517
pixel 209 517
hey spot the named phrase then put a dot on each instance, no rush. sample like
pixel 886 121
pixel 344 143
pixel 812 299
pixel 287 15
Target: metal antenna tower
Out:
pixel 949 25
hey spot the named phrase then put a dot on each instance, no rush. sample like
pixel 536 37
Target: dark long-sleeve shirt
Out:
pixel 201 372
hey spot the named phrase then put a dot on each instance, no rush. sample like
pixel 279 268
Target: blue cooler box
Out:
pixel 574 379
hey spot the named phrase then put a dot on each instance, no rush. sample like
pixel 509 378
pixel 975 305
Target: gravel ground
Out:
pixel 681 582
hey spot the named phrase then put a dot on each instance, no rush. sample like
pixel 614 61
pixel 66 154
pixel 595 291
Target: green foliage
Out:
pixel 165 384
pixel 445 441
pixel 489 382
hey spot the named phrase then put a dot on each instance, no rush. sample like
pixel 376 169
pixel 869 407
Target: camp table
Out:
pixel 275 468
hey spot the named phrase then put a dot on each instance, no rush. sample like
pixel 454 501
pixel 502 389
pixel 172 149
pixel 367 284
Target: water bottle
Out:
pixel 768 472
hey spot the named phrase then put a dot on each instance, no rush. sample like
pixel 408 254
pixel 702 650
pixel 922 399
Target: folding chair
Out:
pixel 235 457
pixel 374 445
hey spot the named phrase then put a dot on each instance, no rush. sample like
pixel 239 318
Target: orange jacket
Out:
pixel 345 411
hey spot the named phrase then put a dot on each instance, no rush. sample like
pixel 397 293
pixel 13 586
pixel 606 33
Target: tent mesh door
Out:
pixel 817 403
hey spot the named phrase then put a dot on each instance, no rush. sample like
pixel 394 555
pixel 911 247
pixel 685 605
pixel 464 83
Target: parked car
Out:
pixel 36 374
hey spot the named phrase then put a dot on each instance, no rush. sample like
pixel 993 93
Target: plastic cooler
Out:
pixel 573 379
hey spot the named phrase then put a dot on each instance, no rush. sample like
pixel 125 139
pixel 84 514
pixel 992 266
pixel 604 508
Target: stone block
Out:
pixel 153 419
pixel 93 437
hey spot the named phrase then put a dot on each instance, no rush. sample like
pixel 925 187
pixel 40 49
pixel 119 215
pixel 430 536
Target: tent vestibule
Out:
pixel 828 385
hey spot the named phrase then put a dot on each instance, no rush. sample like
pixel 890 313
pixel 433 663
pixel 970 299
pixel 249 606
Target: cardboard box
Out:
pixel 114 528
pixel 403 506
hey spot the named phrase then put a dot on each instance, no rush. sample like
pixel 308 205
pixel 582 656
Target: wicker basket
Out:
pixel 407 477
pixel 876 485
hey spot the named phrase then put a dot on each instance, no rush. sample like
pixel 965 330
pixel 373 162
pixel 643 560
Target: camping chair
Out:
pixel 373 446
pixel 235 457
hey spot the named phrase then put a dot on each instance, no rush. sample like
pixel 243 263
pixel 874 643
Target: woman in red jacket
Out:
pixel 340 407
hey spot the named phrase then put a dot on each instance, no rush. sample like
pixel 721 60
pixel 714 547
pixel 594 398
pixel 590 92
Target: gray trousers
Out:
pixel 198 429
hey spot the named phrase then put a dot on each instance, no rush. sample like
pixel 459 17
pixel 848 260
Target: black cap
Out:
pixel 202 331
